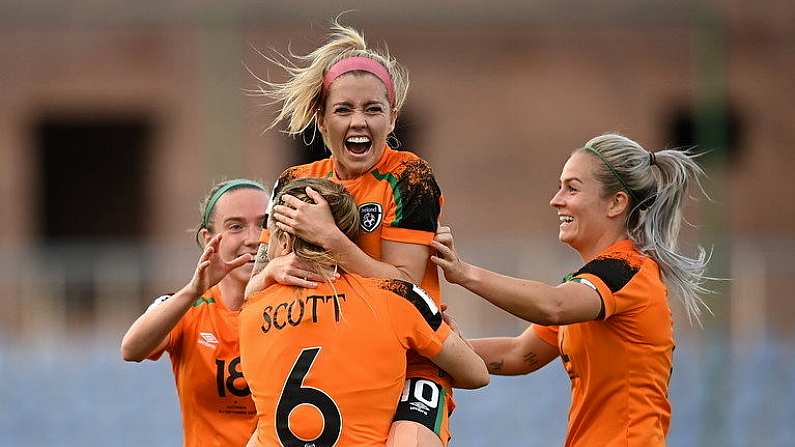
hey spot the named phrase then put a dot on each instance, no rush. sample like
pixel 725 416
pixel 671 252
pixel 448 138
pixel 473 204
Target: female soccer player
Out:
pixel 610 322
pixel 198 325
pixel 327 365
pixel 353 95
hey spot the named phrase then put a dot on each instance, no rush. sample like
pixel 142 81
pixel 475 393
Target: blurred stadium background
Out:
pixel 116 117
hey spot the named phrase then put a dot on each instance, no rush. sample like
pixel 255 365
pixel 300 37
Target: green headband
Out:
pixel 615 173
pixel 230 185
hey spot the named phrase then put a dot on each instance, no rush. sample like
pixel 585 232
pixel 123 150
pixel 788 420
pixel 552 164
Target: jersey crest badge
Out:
pixel 370 215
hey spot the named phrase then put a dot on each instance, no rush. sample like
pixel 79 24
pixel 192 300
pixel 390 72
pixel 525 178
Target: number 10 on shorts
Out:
pixel 422 390
pixel 422 401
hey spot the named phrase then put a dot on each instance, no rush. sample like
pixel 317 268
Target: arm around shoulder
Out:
pixel 419 325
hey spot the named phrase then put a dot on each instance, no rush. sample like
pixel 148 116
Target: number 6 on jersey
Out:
pixel 295 394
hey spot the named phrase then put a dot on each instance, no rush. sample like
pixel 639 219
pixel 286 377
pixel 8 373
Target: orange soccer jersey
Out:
pixel 326 366
pixel 216 404
pixel 620 365
pixel 399 201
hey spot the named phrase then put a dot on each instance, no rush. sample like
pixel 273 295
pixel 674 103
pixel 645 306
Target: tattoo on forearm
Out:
pixel 261 260
pixel 496 366
pixel 530 358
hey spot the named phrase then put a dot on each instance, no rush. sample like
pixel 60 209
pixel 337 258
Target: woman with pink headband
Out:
pixel 353 95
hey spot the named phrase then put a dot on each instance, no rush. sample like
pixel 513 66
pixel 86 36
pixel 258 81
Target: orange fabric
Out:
pixel 404 186
pixel 204 342
pixel 407 236
pixel 348 341
pixel 547 333
pixel 620 366
pixel 265 236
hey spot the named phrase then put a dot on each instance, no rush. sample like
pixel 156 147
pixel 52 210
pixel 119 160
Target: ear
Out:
pixel 618 204
pixel 284 246
pixel 205 236
pixel 394 117
pixel 321 121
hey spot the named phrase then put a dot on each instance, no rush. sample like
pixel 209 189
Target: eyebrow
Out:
pixel 241 219
pixel 367 103
pixel 571 179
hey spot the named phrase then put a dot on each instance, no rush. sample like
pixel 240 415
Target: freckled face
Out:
pixel 239 214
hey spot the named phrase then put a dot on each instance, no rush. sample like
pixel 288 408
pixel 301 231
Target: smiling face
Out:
pixel 355 121
pixel 586 218
pixel 239 214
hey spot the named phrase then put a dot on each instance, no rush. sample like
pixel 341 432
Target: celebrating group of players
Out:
pixel 314 317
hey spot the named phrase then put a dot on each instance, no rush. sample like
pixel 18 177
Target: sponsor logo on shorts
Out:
pixel 370 215
pixel 419 406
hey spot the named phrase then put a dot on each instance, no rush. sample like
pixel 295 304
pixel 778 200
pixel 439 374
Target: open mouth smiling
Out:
pixel 358 145
pixel 565 219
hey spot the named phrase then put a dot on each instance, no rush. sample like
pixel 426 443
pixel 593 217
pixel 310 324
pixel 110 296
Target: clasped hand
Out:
pixel 311 222
pixel 446 257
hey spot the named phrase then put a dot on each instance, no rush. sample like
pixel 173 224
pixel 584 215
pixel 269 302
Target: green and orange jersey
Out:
pixel 400 201
pixel 619 364
pixel 327 366
pixel 216 404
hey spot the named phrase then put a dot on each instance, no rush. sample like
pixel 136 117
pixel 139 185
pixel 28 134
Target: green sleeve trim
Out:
pixel 392 180
pixel 440 412
pixel 203 300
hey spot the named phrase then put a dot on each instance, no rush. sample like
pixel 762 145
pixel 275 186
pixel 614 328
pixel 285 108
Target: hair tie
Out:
pixel 230 185
pixel 615 173
pixel 652 159
pixel 361 63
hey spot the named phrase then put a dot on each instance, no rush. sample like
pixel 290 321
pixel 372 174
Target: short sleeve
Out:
pixel 417 205
pixel 416 319
pixel 609 276
pixel 172 336
pixel 549 334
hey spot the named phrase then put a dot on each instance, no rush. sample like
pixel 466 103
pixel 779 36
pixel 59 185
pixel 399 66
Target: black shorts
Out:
pixel 424 402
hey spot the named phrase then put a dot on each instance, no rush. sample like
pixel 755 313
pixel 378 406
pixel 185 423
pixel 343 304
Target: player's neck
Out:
pixel 232 293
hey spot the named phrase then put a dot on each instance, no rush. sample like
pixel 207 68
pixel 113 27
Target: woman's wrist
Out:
pixel 335 241
pixel 469 275
pixel 190 290
pixel 267 277
pixel 259 282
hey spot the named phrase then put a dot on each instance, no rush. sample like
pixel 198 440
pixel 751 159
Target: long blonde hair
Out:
pixel 657 184
pixel 302 97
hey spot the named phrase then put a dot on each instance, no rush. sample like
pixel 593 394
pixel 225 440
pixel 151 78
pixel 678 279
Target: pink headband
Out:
pixel 361 63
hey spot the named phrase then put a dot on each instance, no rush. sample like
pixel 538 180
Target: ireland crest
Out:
pixel 370 215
